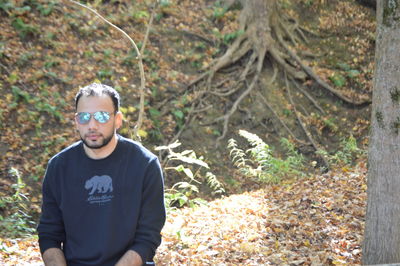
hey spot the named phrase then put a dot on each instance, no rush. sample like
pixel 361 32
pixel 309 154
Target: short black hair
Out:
pixel 98 89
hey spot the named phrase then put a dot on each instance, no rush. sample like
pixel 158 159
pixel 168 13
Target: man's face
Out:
pixel 95 134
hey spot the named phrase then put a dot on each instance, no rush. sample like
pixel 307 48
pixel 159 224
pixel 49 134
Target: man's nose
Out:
pixel 93 124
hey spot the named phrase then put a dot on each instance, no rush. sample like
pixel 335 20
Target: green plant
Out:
pixel 25 58
pixel 259 162
pixel 287 112
pixel 230 37
pixel 131 57
pixel 214 183
pixel 180 110
pixel 346 155
pixel 330 123
pixel 218 10
pixel 180 116
pixel 19 95
pixel 184 193
pixel 286 4
pixel 49 40
pixel 46 9
pixel 294 159
pixel 192 57
pixel 309 2
pixel 105 73
pixel 1 50
pixel 88 54
pixel 24 30
pixel 140 15
pixel 164 3
pixel 350 73
pixel 180 195
pixel 338 79
pixel 18 223
pixel 6 6
pixel 42 103
pixel 47 107
pixel 51 62
pixel 155 133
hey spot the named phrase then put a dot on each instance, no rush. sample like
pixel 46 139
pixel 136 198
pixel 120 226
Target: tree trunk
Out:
pixel 382 229
pixel 265 32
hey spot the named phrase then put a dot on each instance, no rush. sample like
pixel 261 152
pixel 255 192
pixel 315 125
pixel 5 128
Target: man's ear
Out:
pixel 118 119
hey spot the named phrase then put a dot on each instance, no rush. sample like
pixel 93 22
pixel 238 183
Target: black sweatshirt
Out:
pixel 96 210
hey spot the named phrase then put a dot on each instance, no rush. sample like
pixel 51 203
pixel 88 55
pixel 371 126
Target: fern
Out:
pixel 260 152
pixel 214 183
pixel 347 153
pixel 238 155
pixel 265 166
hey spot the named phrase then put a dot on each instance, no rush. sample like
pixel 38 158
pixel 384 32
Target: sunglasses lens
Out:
pixel 101 116
pixel 83 117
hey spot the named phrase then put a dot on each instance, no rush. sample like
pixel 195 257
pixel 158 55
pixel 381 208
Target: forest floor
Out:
pixel 317 220
pixel 48 49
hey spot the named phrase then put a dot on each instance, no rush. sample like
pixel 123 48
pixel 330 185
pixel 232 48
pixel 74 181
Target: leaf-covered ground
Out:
pixel 47 51
pixel 310 221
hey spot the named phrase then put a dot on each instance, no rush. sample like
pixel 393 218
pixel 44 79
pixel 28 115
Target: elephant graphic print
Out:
pixel 100 189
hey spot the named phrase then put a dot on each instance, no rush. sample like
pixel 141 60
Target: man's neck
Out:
pixel 102 152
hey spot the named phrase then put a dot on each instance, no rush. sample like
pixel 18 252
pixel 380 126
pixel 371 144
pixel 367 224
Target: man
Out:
pixel 103 201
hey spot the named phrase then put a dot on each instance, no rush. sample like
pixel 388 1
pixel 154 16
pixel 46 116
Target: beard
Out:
pixel 99 143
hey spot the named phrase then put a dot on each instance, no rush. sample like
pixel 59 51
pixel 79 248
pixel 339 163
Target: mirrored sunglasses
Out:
pixel 100 116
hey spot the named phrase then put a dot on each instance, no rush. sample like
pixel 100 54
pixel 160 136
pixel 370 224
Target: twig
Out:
pixel 140 63
pixel 203 109
pixel 198 36
pixel 146 36
pixel 5 68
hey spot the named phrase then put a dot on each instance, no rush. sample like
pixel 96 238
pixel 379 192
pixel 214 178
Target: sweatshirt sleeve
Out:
pixel 51 227
pixel 152 214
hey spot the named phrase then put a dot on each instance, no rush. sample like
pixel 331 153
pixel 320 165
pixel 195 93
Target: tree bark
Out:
pixel 382 229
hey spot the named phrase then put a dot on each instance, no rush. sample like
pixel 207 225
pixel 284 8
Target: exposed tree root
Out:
pixel 226 117
pixel 315 103
pixel 265 34
pixel 303 126
pixel 322 83
pixel 280 120
pixel 258 22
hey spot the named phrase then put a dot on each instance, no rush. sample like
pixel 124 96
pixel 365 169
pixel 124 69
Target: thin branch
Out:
pixel 203 109
pixel 198 36
pixel 140 63
pixel 146 36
